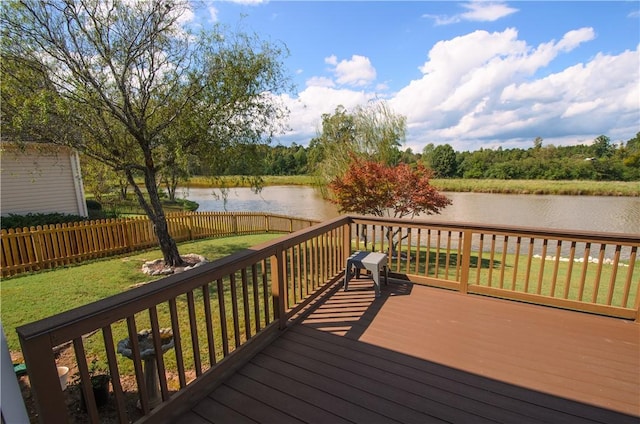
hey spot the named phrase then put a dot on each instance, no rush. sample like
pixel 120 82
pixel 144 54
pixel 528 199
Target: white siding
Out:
pixel 40 180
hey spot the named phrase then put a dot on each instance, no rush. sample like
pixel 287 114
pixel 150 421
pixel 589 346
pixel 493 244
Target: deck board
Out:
pixel 421 355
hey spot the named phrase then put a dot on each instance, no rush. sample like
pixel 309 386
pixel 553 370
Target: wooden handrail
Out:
pixel 269 284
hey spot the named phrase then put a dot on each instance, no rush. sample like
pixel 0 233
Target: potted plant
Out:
pixel 99 375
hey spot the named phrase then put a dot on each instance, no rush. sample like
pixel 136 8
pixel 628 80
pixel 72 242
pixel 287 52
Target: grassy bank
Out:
pixel 583 188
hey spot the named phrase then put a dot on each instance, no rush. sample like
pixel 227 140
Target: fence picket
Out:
pixel 49 246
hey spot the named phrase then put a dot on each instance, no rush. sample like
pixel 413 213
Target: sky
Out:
pixel 472 74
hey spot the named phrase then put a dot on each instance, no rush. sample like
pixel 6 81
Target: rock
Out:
pixel 158 267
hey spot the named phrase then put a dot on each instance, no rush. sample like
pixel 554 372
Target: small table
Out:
pixel 371 261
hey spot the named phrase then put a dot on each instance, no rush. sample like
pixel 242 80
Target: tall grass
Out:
pixel 589 188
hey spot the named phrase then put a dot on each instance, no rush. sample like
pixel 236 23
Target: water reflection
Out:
pixel 298 201
pixel 590 213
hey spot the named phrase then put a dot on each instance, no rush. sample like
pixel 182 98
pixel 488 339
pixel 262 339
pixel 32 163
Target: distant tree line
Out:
pixel 601 160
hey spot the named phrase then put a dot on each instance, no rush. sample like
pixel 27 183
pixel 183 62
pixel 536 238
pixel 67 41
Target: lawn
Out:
pixel 31 297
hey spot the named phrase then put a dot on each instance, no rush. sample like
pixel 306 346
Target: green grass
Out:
pixel 31 297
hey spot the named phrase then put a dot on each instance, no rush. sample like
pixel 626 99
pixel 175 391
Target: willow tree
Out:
pixel 128 84
pixel 372 132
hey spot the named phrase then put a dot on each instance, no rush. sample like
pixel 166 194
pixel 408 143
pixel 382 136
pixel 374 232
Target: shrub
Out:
pixel 35 219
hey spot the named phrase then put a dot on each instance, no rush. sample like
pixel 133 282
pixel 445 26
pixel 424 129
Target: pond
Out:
pixel 591 213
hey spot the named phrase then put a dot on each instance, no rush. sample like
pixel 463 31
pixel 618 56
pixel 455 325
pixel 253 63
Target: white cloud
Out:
pixel 213 14
pixel 477 11
pixel 307 108
pixel 481 89
pixel 357 71
pixel 249 2
pixel 320 82
pixel 485 11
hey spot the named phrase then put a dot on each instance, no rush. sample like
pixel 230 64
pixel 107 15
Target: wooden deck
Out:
pixel 422 355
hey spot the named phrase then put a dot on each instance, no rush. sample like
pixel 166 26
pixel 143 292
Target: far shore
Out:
pixel 564 187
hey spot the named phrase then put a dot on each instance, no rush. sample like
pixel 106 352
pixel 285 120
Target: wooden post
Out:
pixel 43 375
pixel 346 242
pixel 466 261
pixel 278 289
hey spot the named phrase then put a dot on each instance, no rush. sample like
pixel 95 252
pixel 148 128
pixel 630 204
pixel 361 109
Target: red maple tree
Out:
pixel 373 188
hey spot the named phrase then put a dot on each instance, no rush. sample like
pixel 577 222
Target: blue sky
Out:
pixel 472 74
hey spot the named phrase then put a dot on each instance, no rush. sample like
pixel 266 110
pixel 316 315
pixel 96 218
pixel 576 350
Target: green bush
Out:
pixel 35 219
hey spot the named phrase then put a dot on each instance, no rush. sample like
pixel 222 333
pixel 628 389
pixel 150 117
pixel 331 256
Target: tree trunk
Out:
pixel 167 244
pixel 154 211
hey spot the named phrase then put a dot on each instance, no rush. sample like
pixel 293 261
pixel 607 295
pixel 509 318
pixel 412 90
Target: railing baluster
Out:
pixel 137 365
pixel 208 315
pixel 121 410
pixel 416 267
pixel 193 325
pixel 542 263
pixel 516 262
pixel 256 297
pixel 87 387
pixel 305 266
pixel 583 275
pixel 177 341
pixel 266 292
pixel 224 333
pixel 447 256
pixel 503 259
pixel 614 274
pixel 437 264
pixel 159 357
pixel 572 255
pixel 492 253
pixel 245 303
pixel 479 264
pixel 556 267
pixel 527 276
pixel 234 309
pixel 627 284
pixel 596 283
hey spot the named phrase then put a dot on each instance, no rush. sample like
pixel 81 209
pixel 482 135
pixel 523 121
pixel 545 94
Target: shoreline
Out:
pixel 528 187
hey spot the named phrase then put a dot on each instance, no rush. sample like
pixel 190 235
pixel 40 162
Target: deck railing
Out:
pixel 49 246
pixel 592 272
pixel 223 313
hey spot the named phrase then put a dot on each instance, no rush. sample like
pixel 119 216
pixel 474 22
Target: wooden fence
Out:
pixel 50 246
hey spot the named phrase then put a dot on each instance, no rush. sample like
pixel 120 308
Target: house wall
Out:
pixel 40 179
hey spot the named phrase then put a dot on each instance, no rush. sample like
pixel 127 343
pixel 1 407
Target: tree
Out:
pixel 537 143
pixel 374 188
pixel 372 132
pixel 443 161
pixel 130 86
pixel 602 147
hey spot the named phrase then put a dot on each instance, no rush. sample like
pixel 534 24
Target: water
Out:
pixel 590 213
